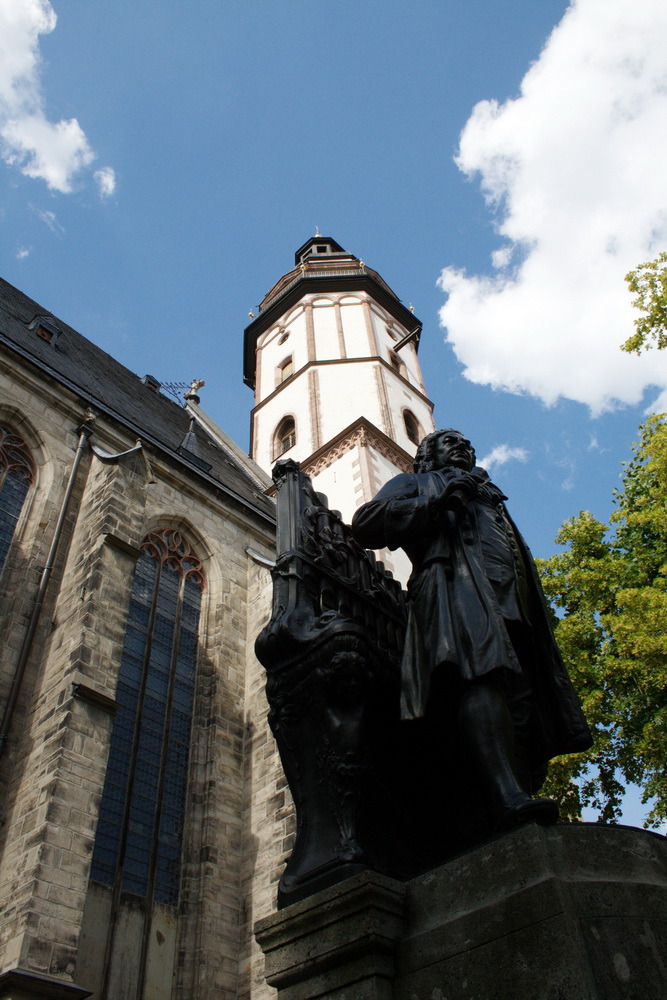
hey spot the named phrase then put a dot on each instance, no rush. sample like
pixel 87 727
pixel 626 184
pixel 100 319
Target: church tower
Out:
pixel 332 357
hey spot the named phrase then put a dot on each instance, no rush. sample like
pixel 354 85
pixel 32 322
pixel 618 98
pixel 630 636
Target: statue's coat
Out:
pixel 455 620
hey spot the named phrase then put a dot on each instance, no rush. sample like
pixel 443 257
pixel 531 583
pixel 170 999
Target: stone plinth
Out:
pixel 543 913
pixel 339 943
pixel 17 984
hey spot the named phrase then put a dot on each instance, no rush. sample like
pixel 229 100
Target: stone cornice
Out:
pixel 359 279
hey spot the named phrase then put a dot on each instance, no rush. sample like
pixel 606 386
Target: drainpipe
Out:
pixel 85 430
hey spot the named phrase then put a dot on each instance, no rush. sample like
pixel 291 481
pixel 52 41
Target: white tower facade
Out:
pixel 332 357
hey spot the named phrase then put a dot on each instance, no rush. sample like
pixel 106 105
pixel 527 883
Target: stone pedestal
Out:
pixel 19 984
pixel 543 913
pixel 339 943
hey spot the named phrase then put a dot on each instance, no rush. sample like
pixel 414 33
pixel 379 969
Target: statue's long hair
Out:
pixel 424 460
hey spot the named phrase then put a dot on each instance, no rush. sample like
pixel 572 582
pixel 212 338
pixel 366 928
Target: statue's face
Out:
pixel 453 449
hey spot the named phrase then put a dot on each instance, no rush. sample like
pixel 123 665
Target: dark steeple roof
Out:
pixel 105 384
pixel 318 245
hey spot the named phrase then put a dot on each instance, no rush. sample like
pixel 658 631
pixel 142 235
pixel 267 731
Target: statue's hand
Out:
pixel 458 492
pixel 467 482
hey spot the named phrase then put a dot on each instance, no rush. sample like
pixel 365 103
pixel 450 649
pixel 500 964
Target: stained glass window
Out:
pixel 140 827
pixel 17 474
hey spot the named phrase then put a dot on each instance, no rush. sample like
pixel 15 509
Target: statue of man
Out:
pixel 478 626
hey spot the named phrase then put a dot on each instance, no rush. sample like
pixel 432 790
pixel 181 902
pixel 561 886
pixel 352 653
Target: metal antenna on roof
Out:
pixel 175 389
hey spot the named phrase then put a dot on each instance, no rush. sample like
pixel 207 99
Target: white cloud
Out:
pixel 574 167
pixel 54 152
pixel 501 455
pixel 49 219
pixel 502 258
pixel 23 252
pixel 106 181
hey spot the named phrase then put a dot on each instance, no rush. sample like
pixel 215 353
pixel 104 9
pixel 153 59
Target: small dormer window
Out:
pixel 46 329
pixel 321 249
pixel 152 383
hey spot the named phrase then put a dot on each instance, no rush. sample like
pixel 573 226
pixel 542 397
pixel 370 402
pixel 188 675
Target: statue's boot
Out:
pixel 488 732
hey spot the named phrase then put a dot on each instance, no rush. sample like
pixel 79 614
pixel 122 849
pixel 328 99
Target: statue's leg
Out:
pixel 488 733
pixel 520 704
pixel 520 701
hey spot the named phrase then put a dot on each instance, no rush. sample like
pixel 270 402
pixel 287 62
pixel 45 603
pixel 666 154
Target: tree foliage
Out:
pixel 610 590
pixel 649 284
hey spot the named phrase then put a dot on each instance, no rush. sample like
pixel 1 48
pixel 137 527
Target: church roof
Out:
pixel 100 381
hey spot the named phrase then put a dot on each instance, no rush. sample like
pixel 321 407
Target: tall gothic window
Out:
pixel 17 474
pixel 140 828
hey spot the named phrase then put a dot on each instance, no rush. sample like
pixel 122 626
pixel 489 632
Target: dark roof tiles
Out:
pixel 104 382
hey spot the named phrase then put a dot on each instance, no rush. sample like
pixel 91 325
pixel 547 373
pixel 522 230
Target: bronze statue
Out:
pixel 478 635
pixel 467 655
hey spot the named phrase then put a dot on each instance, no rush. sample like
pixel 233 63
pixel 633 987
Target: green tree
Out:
pixel 649 284
pixel 610 591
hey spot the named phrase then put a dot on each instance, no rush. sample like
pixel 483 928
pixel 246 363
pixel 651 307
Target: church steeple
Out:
pixel 332 356
pixel 319 245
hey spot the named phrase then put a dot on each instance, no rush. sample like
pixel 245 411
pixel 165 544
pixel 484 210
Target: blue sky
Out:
pixel 500 164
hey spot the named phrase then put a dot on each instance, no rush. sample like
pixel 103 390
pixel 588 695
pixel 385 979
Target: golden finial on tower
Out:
pixel 317 231
pixel 412 308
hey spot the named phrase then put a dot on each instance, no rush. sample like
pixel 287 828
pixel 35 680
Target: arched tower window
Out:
pixel 17 474
pixel 284 437
pixel 397 364
pixel 284 370
pixel 412 428
pixel 140 828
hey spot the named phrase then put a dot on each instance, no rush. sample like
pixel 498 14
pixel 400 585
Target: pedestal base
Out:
pixel 543 913
pixel 19 984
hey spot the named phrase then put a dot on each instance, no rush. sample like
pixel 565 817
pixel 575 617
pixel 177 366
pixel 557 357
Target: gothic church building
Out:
pixel 145 816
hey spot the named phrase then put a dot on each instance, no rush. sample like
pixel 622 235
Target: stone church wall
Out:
pixel 54 764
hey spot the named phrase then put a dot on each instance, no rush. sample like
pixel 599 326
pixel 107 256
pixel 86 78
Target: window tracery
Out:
pixel 171 547
pixel 17 475
pixel 140 827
